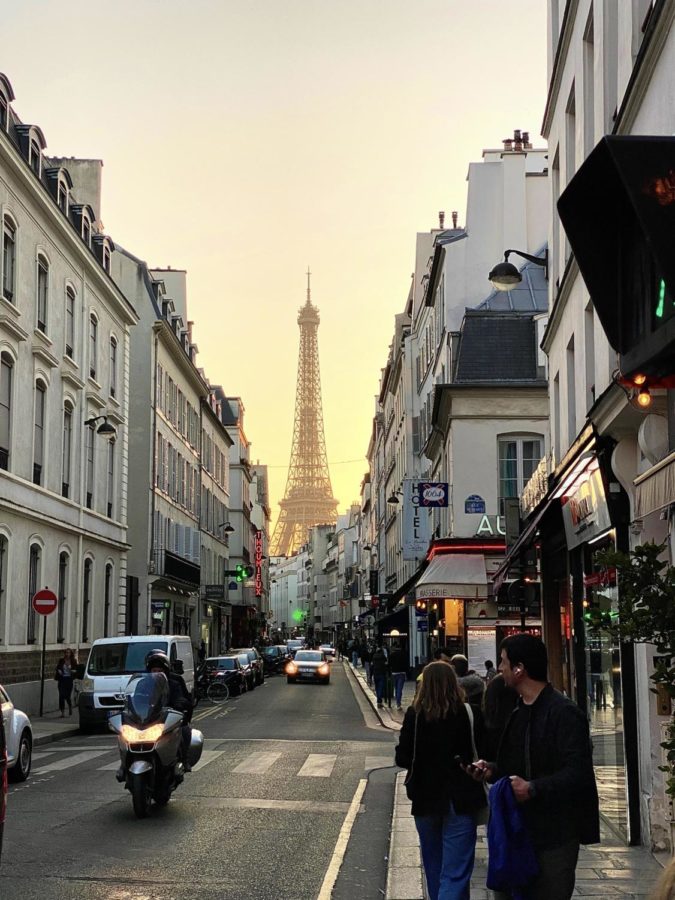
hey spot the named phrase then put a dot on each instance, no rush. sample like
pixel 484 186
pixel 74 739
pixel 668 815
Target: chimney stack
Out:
pixel 441 219
pixel 454 218
pixel 526 140
pixel 517 139
pixel 508 145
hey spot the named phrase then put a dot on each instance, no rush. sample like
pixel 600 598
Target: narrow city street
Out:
pixel 259 817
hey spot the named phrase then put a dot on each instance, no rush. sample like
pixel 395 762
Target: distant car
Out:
pixel 255 660
pixel 227 669
pixel 248 670
pixel 308 665
pixel 328 649
pixel 273 659
pixel 295 644
pixel 18 737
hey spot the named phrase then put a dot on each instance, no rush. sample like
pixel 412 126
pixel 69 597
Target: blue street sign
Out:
pixel 474 504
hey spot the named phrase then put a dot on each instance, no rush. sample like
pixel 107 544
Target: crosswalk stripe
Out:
pixel 378 762
pixel 318 765
pixel 208 756
pixel 257 763
pixel 111 767
pixel 60 764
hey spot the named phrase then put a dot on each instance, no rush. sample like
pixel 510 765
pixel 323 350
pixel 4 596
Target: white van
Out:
pixel 112 662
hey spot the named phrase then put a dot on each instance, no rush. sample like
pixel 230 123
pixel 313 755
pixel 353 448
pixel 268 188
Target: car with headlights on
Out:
pixel 308 665
pixel 19 739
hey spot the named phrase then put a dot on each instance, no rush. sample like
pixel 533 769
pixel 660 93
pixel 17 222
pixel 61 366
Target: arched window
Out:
pixel 42 292
pixel 39 432
pixel 107 599
pixel 86 229
pixel 106 258
pixel 93 345
pixel 86 599
pixel 6 374
pixel 4 112
pixel 35 157
pixel 34 561
pixel 113 366
pixel 67 449
pixel 4 545
pixel 62 196
pixel 64 563
pixel 70 321
pixel 8 258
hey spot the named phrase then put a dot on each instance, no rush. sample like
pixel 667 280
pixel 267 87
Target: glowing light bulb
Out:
pixel 644 399
pixel 639 379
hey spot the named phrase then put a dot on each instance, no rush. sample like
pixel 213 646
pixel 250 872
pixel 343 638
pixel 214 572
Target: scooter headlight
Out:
pixel 142 735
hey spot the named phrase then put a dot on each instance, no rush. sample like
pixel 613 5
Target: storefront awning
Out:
pixel 656 488
pixel 460 576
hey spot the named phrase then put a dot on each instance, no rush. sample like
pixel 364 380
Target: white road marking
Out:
pixel 111 767
pixel 341 845
pixel 318 765
pixel 69 761
pixel 257 763
pixel 208 756
pixel 378 762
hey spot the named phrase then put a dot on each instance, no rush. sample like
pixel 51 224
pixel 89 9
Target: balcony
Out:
pixel 170 565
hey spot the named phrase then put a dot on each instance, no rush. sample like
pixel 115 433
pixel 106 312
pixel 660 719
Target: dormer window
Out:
pixel 34 157
pixel 62 197
pixel 4 112
pixel 106 258
pixel 86 229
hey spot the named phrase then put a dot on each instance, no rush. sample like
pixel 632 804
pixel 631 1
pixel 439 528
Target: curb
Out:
pixel 405 876
pixel 389 723
pixel 40 740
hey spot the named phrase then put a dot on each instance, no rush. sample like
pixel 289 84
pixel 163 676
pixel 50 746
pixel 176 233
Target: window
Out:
pixel 67 449
pixel 111 478
pixel 6 372
pixel 4 112
pixel 107 592
pixel 86 229
pixel 42 292
pixel 63 597
pixel 113 366
pixel 519 456
pixel 106 258
pixel 8 258
pixel 70 321
pixel 91 431
pixel 86 600
pixel 34 157
pixel 571 393
pixel 3 579
pixel 39 432
pixel 33 581
pixel 589 85
pixel 62 197
pixel 93 345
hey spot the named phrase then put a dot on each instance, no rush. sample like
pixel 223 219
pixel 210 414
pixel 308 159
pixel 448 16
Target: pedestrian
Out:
pixel 366 658
pixel 490 671
pixel 546 753
pixel 201 653
pixel 354 649
pixel 398 663
pixel 473 684
pixel 435 737
pixel 64 675
pixel 499 702
pixel 379 671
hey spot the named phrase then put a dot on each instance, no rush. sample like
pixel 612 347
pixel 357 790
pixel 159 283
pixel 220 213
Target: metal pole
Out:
pixel 42 663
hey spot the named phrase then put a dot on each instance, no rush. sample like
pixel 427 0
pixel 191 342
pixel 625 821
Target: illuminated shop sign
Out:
pixel 258 563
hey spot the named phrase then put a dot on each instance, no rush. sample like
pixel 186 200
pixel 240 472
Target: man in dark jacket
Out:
pixel 473 684
pixel 398 663
pixel 546 751
pixel 379 669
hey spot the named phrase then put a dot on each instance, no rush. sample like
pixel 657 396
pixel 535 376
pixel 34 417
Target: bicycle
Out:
pixel 213 689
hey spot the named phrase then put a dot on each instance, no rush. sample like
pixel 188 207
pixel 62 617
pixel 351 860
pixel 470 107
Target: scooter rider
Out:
pixel 179 696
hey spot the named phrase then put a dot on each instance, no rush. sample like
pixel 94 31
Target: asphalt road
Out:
pixel 260 818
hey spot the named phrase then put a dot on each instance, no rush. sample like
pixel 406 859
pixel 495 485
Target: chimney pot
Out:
pixel 441 219
pixel 526 140
pixel 454 219
pixel 508 145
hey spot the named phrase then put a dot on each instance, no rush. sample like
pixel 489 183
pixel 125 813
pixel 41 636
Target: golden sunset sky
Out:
pixel 244 140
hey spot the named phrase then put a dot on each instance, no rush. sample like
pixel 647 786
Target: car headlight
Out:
pixel 142 735
pixel 87 684
pixel 291 668
pixel 323 670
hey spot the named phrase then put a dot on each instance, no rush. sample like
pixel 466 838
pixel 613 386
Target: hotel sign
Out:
pixel 258 546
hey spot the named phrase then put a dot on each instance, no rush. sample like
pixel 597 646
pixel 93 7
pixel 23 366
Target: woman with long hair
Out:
pixel 435 740
pixel 64 675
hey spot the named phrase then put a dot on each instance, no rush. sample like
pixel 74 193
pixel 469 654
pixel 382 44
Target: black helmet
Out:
pixel 157 659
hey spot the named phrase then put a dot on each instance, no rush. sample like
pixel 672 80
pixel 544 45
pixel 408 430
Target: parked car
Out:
pixel 256 661
pixel 308 665
pixel 18 737
pixel 273 660
pixel 329 650
pixel 248 670
pixel 228 669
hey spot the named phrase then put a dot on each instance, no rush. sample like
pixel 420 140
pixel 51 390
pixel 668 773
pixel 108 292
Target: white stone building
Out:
pixel 64 347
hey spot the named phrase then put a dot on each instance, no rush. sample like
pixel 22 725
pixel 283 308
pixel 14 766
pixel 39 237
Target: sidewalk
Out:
pixel 51 727
pixel 606 869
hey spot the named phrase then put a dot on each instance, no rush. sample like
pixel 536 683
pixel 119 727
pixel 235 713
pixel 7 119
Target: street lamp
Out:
pixel 505 276
pixel 105 428
pixel 394 497
pixel 227 528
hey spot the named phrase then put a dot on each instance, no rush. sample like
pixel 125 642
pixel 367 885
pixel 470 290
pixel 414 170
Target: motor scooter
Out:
pixel 149 737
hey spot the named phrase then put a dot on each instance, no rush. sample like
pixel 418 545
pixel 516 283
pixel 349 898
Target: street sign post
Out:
pixel 44 603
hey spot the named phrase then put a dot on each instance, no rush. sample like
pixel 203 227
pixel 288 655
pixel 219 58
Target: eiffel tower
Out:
pixel 309 496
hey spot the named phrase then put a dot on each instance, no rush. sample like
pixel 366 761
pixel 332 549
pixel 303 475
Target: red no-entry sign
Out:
pixel 44 602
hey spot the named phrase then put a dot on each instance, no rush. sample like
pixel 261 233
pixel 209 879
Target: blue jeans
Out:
pixel 399 681
pixel 448 846
pixel 355 658
pixel 379 687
